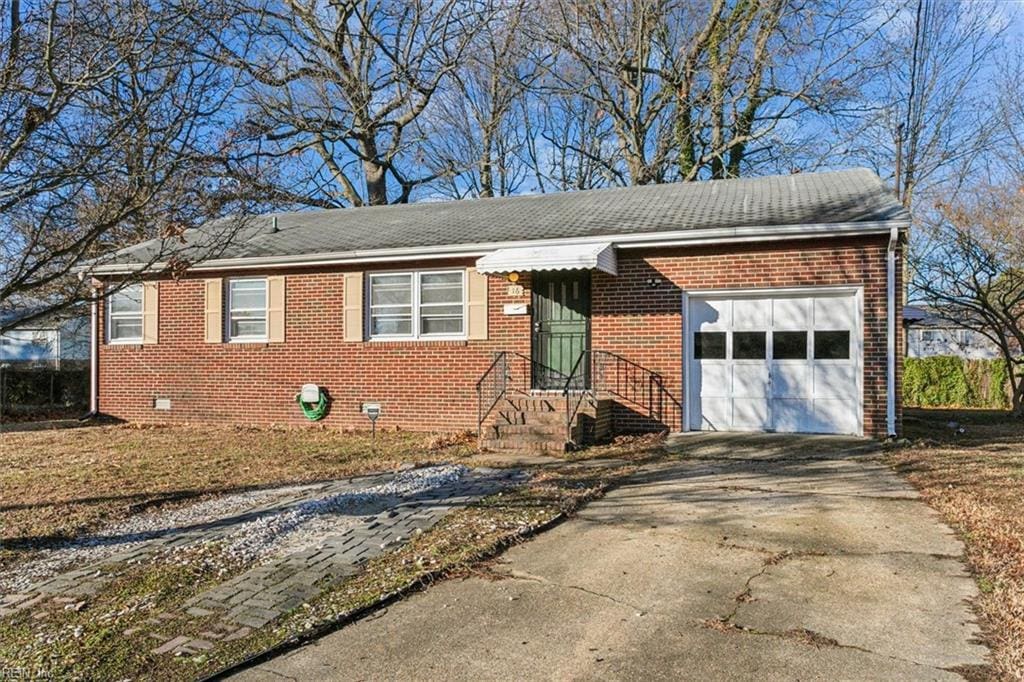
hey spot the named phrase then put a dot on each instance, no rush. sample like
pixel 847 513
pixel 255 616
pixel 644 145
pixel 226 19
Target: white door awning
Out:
pixel 550 257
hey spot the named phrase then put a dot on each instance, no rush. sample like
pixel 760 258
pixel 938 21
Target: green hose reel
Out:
pixel 312 401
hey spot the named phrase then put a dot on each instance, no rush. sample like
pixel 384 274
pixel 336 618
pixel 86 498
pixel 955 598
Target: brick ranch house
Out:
pixel 765 304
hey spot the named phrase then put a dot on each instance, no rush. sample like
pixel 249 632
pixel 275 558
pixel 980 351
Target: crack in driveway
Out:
pixel 529 577
pixel 758 549
pixel 804 636
pixel 896 497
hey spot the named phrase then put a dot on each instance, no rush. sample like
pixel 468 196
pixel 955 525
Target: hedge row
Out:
pixel 25 390
pixel 948 381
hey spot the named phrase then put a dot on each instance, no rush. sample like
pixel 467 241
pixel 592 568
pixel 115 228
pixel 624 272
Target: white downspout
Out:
pixel 890 393
pixel 94 359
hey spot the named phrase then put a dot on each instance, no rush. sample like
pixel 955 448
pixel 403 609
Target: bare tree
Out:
pixel 570 144
pixel 1010 86
pixel 973 275
pixel 475 139
pixel 109 134
pixel 935 117
pixel 693 91
pixel 607 52
pixel 335 89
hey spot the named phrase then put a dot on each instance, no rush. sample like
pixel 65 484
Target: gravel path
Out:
pixel 304 525
pixel 294 518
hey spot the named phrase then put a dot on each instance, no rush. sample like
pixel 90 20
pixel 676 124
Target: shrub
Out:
pixel 29 389
pixel 949 381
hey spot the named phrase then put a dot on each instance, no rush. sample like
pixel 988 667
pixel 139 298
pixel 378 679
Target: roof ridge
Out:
pixel 849 197
pixel 715 184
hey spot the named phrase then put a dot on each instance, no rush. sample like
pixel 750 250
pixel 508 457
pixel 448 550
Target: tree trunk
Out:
pixel 717 105
pixel 1017 389
pixel 486 169
pixel 376 183
pixel 684 138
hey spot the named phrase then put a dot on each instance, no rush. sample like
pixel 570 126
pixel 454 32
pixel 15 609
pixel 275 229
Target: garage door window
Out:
pixel 709 345
pixel 789 346
pixel 749 345
pixel 832 345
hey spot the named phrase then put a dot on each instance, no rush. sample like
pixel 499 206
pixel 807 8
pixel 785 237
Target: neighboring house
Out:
pixel 56 341
pixel 929 335
pixel 766 304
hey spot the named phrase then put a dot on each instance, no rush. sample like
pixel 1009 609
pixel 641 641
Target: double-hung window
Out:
pixel 427 304
pixel 124 315
pixel 247 310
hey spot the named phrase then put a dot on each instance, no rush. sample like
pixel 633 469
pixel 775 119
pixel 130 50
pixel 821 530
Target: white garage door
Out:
pixel 775 362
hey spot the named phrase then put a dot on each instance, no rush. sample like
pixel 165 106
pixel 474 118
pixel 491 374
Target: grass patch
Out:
pixel 969 465
pixel 58 484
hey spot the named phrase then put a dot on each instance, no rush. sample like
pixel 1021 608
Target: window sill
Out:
pixel 124 345
pixel 399 342
pixel 248 343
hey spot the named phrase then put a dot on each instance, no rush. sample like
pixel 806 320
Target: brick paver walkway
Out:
pixel 260 595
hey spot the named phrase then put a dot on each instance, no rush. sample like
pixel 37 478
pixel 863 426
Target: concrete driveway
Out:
pixel 753 557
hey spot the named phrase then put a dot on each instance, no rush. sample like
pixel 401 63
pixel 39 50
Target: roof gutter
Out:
pixel 621 241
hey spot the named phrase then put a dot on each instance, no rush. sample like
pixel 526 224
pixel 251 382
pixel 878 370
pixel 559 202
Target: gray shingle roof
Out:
pixel 851 196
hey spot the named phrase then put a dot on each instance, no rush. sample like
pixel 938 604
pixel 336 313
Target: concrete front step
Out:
pixel 527 417
pixel 537 403
pixel 528 437
pixel 530 424
pixel 553 430
pixel 522 445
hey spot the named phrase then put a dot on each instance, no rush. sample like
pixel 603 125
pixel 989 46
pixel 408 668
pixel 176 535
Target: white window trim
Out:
pixel 415 305
pixel 230 309
pixel 135 340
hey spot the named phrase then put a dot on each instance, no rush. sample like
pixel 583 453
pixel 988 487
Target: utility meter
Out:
pixel 310 393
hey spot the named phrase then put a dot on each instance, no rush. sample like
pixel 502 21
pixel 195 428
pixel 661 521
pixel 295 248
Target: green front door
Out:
pixel 561 326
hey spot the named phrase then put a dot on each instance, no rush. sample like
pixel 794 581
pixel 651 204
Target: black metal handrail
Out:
pixel 509 372
pixel 600 371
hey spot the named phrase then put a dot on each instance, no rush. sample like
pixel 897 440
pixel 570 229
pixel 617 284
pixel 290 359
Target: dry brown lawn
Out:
pixel 59 483
pixel 976 481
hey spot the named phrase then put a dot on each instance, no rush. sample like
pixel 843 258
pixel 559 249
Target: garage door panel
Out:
pixel 791 314
pixel 789 416
pixel 750 381
pixel 790 380
pixel 750 314
pixel 835 312
pixel 738 385
pixel 710 315
pixel 834 381
pixel 713 380
pixel 750 414
pixel 835 416
pixel 716 414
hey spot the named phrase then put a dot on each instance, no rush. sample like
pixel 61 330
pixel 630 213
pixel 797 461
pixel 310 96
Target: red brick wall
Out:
pixel 644 323
pixel 429 385
pixel 423 385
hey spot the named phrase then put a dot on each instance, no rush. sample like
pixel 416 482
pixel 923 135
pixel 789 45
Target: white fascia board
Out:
pixel 622 241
